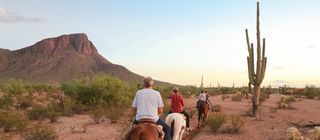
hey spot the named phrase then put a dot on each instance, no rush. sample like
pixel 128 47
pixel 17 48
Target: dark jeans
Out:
pixel 166 128
pixel 187 117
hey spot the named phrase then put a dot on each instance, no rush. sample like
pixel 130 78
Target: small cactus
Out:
pixel 315 133
pixel 294 134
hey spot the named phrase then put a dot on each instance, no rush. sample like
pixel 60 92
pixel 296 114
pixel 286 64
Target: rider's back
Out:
pixel 147 102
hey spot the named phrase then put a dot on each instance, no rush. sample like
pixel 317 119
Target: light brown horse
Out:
pixel 144 131
pixel 203 110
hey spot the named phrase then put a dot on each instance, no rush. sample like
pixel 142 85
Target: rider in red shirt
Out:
pixel 177 106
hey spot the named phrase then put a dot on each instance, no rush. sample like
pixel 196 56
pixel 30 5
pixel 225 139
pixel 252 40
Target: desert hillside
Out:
pixel 59 59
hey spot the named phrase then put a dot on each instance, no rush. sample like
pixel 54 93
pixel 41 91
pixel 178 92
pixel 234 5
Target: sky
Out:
pixel 178 41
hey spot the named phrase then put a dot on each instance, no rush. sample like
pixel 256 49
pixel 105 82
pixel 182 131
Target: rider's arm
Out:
pixel 160 110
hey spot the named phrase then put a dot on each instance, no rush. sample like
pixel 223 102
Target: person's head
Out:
pixel 175 90
pixel 148 82
pixel 202 91
pixel 205 91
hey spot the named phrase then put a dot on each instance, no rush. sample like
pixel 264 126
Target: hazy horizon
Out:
pixel 177 41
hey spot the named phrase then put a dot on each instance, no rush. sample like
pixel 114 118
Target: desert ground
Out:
pixel 270 125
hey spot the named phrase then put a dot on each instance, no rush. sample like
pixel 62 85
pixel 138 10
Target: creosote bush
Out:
pixel 40 132
pixel 12 120
pixel 216 121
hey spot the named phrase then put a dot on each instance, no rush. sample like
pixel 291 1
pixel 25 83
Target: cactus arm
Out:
pixel 247 38
pixel 264 66
pixel 250 72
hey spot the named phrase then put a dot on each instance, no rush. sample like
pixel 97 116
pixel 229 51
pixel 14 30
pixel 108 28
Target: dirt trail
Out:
pixel 269 126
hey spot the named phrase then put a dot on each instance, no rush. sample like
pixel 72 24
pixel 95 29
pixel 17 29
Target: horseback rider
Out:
pixel 177 106
pixel 148 104
pixel 204 97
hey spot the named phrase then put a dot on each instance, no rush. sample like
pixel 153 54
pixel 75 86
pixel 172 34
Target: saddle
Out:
pixel 147 122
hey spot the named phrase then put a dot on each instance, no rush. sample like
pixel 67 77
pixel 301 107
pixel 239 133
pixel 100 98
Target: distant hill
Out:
pixel 60 59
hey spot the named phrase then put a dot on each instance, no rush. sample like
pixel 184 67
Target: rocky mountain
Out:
pixel 59 59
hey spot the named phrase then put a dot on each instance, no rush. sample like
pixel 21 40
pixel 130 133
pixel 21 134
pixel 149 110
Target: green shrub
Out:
pixel 41 113
pixel 38 113
pixel 11 120
pixel 311 92
pixel 216 121
pixel 100 89
pixel 6 101
pixel 41 88
pixel 14 87
pixel 40 132
pixel 53 116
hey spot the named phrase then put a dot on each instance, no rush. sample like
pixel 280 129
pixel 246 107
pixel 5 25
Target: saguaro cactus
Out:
pixel 256 76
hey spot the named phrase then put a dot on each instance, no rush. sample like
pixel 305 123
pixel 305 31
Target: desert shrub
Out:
pixel 294 134
pixel 38 113
pixel 315 133
pixel 11 120
pixel 6 101
pixel 41 113
pixel 14 87
pixel 101 89
pixel 53 116
pixel 285 102
pixel 233 124
pixel 237 123
pixel 41 88
pixel 98 113
pixel 223 97
pixel 236 98
pixel 311 92
pixel 216 121
pixel 40 132
pixel 25 102
pixel 217 108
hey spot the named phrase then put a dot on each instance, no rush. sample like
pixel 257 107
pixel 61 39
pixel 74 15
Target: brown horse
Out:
pixel 203 110
pixel 145 130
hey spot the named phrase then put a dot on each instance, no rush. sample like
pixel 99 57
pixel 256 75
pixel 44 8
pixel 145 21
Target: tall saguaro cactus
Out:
pixel 256 76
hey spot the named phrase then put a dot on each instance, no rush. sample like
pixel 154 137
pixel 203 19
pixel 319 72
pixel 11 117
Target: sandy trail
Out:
pixel 269 126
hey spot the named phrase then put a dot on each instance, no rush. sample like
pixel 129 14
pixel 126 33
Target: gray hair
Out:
pixel 147 82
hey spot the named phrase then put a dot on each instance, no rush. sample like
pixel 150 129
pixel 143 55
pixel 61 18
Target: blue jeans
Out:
pixel 166 128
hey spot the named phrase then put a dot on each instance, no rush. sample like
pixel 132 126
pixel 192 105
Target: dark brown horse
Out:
pixel 144 131
pixel 203 110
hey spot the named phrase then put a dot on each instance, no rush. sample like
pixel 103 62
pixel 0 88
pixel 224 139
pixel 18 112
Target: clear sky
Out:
pixel 179 40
